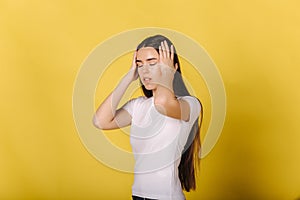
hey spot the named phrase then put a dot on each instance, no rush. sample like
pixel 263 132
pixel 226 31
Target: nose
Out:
pixel 145 69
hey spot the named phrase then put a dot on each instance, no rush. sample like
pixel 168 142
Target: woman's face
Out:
pixel 149 72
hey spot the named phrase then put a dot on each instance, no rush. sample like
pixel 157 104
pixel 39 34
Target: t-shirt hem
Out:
pixel 159 197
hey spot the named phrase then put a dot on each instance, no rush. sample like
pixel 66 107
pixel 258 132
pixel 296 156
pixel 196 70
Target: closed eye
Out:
pixel 152 64
pixel 139 64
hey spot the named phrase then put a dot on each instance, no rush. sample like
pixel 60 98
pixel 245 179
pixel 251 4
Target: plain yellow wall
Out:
pixel 255 45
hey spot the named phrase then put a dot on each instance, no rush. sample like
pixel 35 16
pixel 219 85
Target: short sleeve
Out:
pixel 129 105
pixel 195 107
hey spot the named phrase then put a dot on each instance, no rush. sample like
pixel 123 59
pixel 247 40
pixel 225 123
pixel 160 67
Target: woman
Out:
pixel 164 131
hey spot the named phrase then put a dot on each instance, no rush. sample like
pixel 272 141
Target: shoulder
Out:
pixel 192 104
pixel 134 102
pixel 191 100
pixel 138 100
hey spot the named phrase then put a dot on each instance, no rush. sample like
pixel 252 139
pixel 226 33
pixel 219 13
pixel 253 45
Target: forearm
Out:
pixel 106 111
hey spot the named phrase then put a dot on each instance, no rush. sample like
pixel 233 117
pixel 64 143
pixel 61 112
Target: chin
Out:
pixel 150 87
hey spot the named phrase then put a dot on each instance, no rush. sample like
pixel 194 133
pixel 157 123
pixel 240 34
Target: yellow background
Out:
pixel 255 45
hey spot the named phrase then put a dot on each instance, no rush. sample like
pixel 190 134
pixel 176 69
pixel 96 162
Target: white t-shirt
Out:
pixel 157 143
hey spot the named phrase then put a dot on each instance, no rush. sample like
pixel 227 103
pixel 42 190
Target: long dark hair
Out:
pixel 190 160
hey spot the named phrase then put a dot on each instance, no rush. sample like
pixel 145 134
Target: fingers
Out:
pixel 165 51
pixel 166 54
pixel 133 69
pixel 133 65
pixel 172 52
pixel 160 53
pixel 134 58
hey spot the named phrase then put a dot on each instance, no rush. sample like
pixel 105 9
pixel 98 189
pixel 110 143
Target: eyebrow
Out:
pixel 149 59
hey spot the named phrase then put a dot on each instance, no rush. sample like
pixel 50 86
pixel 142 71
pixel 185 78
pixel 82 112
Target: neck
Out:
pixel 163 92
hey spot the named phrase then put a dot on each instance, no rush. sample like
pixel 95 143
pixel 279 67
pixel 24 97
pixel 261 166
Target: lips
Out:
pixel 146 79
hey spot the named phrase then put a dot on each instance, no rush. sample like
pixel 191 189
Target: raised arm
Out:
pixel 107 116
pixel 165 101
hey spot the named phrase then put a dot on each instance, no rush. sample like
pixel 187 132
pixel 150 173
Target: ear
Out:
pixel 176 66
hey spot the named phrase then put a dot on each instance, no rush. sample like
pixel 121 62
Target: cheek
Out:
pixel 156 71
pixel 139 72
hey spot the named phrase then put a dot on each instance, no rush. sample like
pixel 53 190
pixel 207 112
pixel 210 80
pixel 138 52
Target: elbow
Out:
pixel 100 124
pixel 96 122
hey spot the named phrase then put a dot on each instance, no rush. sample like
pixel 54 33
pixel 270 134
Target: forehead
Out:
pixel 146 53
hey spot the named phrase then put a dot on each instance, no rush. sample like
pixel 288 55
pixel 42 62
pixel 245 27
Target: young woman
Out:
pixel 164 123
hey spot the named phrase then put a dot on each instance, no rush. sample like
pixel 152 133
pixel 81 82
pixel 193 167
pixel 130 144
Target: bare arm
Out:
pixel 165 100
pixel 107 116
